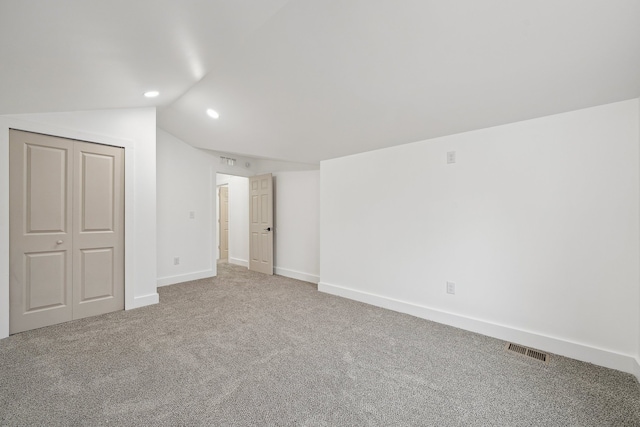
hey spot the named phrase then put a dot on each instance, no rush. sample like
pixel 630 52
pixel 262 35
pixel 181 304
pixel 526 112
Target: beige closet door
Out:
pixel 224 222
pixel 66 230
pixel 40 234
pixel 261 224
pixel 98 230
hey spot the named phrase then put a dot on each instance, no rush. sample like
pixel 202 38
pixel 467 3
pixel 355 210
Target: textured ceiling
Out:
pixel 310 80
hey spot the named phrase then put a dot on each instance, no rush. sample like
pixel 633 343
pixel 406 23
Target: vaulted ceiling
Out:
pixel 307 80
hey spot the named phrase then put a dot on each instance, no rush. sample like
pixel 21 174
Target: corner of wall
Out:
pixel 144 300
pixel 180 278
pixel 186 212
pixel 298 275
pixel 238 261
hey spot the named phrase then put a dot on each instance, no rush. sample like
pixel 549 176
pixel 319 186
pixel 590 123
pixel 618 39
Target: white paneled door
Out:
pixel 261 223
pixel 66 230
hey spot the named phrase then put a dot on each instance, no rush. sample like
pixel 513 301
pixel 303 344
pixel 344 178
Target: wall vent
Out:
pixel 528 352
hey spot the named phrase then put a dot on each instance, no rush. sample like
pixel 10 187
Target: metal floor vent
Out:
pixel 529 352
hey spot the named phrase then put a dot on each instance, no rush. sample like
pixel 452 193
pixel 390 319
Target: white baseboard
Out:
pixel 144 300
pixel 281 271
pixel 171 280
pixel 637 368
pixel 237 261
pixel 297 275
pixel 558 346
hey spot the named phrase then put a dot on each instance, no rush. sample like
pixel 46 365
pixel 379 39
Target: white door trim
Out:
pixel 6 123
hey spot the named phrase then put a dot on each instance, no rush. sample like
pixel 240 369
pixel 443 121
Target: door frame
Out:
pixel 7 123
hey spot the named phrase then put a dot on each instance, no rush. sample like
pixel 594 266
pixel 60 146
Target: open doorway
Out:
pixel 232 219
pixel 223 223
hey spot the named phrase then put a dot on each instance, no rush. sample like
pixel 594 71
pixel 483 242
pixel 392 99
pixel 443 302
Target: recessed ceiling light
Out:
pixel 213 113
pixel 151 94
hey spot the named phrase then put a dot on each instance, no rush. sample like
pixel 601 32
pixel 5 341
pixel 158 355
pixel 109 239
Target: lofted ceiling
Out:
pixel 308 80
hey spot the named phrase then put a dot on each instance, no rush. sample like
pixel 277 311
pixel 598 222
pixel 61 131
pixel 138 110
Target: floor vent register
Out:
pixel 528 352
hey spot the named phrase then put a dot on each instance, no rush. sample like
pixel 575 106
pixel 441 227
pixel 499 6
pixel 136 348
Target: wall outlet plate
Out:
pixel 451 157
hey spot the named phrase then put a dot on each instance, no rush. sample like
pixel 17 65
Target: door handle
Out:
pixel 59 242
pixel 267 229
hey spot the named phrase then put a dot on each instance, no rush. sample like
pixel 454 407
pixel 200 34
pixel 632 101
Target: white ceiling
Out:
pixel 307 80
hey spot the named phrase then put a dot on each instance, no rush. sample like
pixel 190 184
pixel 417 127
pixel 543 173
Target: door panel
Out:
pixel 255 243
pixel 45 280
pixel 255 205
pixel 261 224
pixel 265 239
pixel 40 174
pixel 265 219
pixel 97 274
pixel 46 191
pixel 97 192
pixel 98 230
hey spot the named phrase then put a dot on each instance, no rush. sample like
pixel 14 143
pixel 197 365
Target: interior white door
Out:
pixel 66 230
pixel 261 223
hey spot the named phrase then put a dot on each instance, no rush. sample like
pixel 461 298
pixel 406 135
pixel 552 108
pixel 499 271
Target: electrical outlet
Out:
pixel 451 157
pixel 451 288
pixel 192 214
pixel 176 261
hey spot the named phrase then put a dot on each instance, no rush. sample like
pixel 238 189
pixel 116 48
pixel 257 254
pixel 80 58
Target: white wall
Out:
pixel 135 130
pixel 186 184
pixel 239 220
pixel 296 213
pixel 222 179
pixel 537 224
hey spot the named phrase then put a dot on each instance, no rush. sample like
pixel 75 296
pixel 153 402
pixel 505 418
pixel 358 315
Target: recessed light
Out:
pixel 151 94
pixel 213 113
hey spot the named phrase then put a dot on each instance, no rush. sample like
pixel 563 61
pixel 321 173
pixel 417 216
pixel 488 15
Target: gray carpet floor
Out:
pixel 248 349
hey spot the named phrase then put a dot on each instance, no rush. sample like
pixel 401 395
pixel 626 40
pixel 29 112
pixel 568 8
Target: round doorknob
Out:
pixel 59 242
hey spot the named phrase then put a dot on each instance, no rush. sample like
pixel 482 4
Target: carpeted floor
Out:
pixel 248 349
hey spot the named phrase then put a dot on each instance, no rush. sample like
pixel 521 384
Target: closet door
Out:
pixel 66 230
pixel 40 236
pixel 98 230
